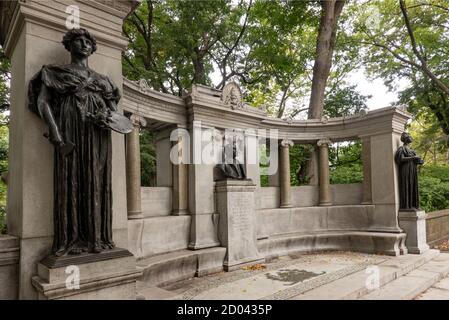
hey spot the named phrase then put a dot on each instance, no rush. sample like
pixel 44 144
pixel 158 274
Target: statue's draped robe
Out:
pixel 408 178
pixel 82 179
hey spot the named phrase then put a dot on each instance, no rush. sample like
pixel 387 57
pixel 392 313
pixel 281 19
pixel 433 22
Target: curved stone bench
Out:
pixel 368 242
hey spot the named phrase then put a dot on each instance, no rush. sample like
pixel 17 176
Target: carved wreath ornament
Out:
pixel 232 96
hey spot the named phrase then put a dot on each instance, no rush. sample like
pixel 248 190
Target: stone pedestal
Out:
pixel 237 222
pixel 414 225
pixel 108 275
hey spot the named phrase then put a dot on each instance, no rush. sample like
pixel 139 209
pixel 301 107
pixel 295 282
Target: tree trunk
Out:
pixel 330 12
pixel 199 76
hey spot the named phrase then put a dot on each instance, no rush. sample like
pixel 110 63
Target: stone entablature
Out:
pixel 107 28
pixel 208 105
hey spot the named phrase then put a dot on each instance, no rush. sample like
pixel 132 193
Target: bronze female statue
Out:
pixel 79 106
pixel 407 161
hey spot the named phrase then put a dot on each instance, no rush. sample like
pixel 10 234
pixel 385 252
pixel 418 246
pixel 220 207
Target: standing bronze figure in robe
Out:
pixel 79 105
pixel 408 161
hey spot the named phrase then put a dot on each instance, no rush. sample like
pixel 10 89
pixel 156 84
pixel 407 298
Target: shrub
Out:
pixel 434 188
pixel 2 220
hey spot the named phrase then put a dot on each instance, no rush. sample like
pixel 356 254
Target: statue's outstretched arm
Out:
pixel 43 104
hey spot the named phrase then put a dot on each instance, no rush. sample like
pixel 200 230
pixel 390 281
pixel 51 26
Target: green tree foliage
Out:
pixel 344 101
pixel 173 43
pixel 434 187
pixel 4 79
pixel 4 146
pixel 281 41
pixel 430 142
pixel 346 163
pixel 147 159
pixel 408 40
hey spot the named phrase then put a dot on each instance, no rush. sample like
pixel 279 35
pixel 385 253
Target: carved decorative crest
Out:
pixel 143 84
pixel 232 96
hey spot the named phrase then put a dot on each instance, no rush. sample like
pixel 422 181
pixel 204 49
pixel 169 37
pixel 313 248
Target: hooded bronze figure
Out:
pixel 407 161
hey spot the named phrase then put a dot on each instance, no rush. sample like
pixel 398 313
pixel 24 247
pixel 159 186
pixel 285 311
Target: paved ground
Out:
pixel 439 291
pixel 331 275
pixel 283 278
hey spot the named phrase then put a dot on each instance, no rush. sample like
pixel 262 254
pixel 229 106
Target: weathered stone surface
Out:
pixel 312 219
pixel 236 228
pixel 156 201
pixel 109 279
pixel 437 226
pixel 368 242
pixel 182 264
pixel 156 235
pixel 9 267
pixel 414 225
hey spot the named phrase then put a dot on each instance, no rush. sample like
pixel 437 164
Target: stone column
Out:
pixel 133 180
pixel 180 179
pixel 31 34
pixel 366 160
pixel 325 190
pixel 284 173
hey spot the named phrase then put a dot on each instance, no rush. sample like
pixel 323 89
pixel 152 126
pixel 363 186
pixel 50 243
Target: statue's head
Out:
pixel 406 138
pixel 80 42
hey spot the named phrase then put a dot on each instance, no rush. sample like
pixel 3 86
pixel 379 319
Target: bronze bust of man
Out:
pixel 79 106
pixel 232 169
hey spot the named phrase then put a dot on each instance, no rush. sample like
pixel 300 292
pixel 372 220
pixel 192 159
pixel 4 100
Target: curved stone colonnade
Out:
pixel 361 217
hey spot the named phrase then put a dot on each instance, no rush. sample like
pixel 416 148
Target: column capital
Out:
pixel 286 143
pixel 323 142
pixel 138 121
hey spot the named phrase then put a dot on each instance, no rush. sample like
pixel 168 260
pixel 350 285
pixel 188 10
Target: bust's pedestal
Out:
pixel 413 222
pixel 109 275
pixel 237 222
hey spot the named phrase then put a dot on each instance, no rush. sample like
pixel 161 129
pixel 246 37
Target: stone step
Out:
pixel 355 286
pixel 413 283
pixel 439 291
pixel 179 265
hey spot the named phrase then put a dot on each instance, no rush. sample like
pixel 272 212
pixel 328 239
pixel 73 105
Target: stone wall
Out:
pixel 156 201
pixel 437 226
pixel 9 267
pixel 272 222
pixel 307 196
pixel 155 235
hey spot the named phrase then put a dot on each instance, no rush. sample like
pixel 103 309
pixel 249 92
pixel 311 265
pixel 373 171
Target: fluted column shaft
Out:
pixel 133 180
pixel 284 173
pixel 325 190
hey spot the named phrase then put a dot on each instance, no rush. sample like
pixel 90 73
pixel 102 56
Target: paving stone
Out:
pixel 434 294
pixel 443 284
pixel 403 288
pixel 350 287
pixel 154 293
